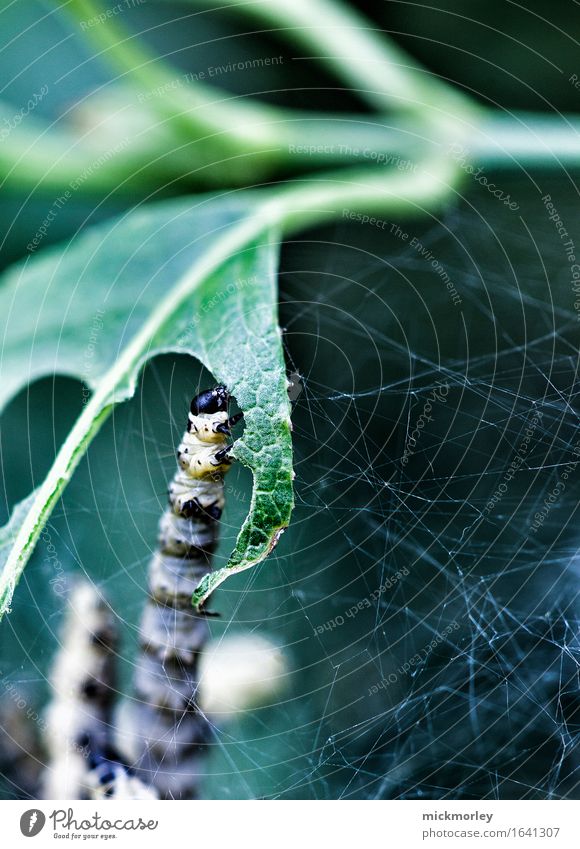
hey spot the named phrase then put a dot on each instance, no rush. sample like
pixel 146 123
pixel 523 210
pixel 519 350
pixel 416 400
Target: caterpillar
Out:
pixel 84 763
pixel 170 730
pixel 152 747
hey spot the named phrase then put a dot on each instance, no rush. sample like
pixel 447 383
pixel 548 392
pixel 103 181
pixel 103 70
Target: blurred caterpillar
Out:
pixel 83 761
pixel 170 730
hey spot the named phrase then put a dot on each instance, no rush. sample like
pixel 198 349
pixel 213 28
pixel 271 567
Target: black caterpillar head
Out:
pixel 211 401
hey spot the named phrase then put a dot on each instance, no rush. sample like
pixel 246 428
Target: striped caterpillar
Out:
pixel 84 763
pixel 171 730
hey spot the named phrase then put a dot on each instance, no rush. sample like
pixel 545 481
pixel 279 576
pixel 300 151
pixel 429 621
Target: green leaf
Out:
pixel 196 277
pixel 7 539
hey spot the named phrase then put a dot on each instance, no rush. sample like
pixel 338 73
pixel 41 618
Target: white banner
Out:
pixel 266 824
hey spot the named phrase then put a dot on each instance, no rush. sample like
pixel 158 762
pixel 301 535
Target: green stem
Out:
pixel 507 140
pixel 316 200
pixel 196 109
pixel 368 60
pixel 38 157
pixel 237 142
pixel 240 141
pixel 242 126
pixel 498 140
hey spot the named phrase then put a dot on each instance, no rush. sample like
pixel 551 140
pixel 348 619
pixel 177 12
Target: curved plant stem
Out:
pixel 197 109
pixel 39 157
pixel 318 199
pixel 200 135
pixel 43 156
pixel 382 73
pixel 370 62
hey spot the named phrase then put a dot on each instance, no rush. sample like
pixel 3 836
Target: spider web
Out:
pixel 425 594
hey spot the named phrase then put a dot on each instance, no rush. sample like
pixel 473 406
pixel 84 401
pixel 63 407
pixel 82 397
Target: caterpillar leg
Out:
pixel 226 427
pixel 223 455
